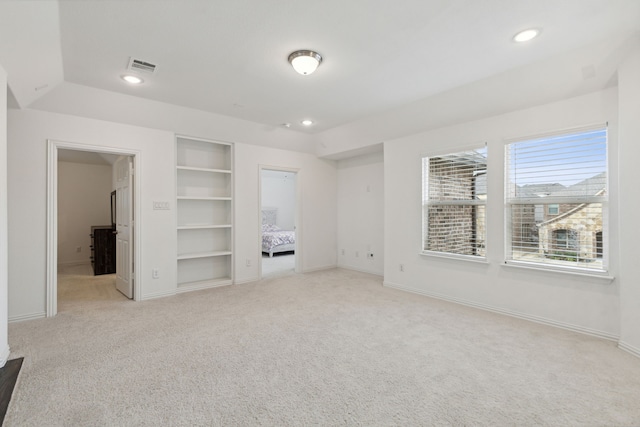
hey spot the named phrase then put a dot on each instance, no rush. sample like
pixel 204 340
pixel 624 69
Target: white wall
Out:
pixel 84 200
pixel 541 82
pixel 629 178
pixel 27 152
pixel 84 101
pixel 580 303
pixel 316 232
pixel 4 345
pixel 361 213
pixel 279 191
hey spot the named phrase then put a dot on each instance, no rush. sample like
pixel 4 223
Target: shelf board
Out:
pixel 191 168
pixel 202 198
pixel 203 284
pixel 203 227
pixel 204 255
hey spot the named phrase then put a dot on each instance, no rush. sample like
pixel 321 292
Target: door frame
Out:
pixel 297 215
pixel 52 215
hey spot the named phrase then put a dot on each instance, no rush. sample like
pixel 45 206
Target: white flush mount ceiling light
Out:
pixel 131 79
pixel 305 62
pixel 307 122
pixel 526 35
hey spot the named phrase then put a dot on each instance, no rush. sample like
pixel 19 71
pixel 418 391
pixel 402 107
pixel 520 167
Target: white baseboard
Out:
pixel 249 280
pixel 23 317
pixel 4 356
pixel 326 267
pixel 157 295
pixel 204 285
pixel 361 270
pixel 629 348
pixel 531 318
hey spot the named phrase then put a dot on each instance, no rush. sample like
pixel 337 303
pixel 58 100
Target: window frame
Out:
pixel 426 203
pixel 602 200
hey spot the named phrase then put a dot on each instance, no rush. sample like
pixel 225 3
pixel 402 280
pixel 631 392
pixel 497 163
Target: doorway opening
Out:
pixel 279 218
pixel 91 231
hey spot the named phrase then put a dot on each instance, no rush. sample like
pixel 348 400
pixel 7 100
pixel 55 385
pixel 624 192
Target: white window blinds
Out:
pixel 556 196
pixel 454 195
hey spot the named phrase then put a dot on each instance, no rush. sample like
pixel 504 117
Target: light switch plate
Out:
pixel 162 206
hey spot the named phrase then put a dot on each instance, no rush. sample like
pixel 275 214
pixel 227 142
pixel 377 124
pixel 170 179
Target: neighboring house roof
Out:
pixel 539 190
pixel 588 187
pixel 594 186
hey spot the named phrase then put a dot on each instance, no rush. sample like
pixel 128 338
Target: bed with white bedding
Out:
pixel 274 239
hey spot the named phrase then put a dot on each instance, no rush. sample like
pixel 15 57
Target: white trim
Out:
pixel 156 295
pixel 557 200
pixel 629 348
pixel 196 138
pixel 297 215
pixel 23 317
pixel 52 230
pixel 52 216
pixel 4 356
pixel 459 257
pixel 208 284
pixel 531 318
pixel 550 268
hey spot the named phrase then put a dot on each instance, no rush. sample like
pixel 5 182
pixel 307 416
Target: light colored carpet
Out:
pixel 278 264
pixel 78 286
pixel 326 348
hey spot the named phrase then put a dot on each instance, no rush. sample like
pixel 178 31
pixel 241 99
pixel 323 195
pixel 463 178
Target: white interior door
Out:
pixel 124 226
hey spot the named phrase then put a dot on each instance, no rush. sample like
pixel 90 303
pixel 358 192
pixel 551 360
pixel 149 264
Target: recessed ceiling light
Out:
pixel 307 122
pixel 526 35
pixel 131 79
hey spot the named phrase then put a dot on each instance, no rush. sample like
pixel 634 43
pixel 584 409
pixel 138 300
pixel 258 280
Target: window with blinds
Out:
pixel 556 199
pixel 454 197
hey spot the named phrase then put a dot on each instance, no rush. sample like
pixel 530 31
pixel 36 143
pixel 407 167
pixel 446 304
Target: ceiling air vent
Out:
pixel 141 66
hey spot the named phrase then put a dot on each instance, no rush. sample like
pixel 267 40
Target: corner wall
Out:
pixel 27 151
pixel 316 233
pixel 574 302
pixel 4 249
pixel 361 213
pixel 629 179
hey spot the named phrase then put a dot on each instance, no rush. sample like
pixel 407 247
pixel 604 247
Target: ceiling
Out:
pixel 229 57
pixel 86 157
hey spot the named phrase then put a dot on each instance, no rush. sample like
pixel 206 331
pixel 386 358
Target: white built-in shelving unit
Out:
pixel 204 182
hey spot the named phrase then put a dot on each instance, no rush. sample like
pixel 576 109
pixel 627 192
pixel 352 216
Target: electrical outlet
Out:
pixel 401 267
pixel 248 262
pixel 342 252
pixel 155 273
pixel 79 249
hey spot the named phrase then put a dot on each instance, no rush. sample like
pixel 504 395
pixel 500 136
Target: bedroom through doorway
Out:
pixel 278 206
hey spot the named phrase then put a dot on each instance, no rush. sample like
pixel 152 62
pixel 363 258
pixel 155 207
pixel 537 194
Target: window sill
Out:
pixel 599 275
pixel 469 258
